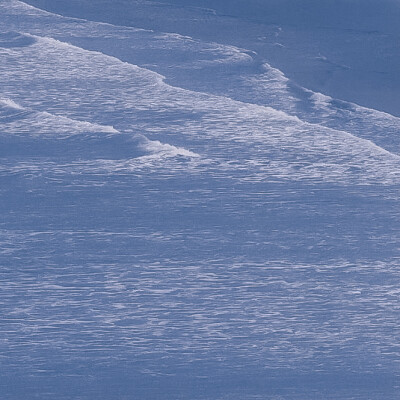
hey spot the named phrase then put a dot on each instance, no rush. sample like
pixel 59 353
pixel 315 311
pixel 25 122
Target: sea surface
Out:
pixel 180 219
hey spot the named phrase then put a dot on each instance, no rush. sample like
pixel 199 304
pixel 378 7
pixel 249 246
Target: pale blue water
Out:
pixel 220 233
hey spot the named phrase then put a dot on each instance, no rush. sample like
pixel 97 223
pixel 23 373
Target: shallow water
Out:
pixel 220 233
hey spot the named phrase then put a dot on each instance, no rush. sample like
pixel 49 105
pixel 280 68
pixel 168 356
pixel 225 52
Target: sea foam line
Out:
pixel 153 147
pixel 159 79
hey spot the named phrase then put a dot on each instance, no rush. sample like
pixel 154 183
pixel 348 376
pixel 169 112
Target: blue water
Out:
pixel 181 220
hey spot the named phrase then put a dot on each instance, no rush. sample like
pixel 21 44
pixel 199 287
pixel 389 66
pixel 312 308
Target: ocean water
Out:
pixel 182 220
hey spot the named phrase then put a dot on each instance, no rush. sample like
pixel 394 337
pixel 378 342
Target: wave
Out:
pixel 8 103
pixel 277 76
pixel 67 137
pixel 281 118
pixel 92 85
pixel 146 225
pixel 274 89
pixel 164 149
pixel 41 123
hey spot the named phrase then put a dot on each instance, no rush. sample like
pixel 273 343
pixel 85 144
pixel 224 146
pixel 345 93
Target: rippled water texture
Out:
pixel 180 220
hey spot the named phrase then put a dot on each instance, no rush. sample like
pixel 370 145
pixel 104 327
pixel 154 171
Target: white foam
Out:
pixel 231 126
pixel 164 149
pixel 275 73
pixel 321 100
pixel 225 54
pixel 10 103
pixel 38 123
pixel 65 46
pixel 80 125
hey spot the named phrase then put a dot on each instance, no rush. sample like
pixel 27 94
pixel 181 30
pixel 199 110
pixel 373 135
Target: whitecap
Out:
pixel 165 149
pixel 6 102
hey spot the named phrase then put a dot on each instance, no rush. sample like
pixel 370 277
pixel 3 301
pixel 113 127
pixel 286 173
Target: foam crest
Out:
pixel 164 149
pixel 321 100
pixel 5 102
pixel 23 120
pixel 79 125
pixel 125 95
